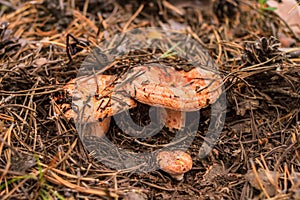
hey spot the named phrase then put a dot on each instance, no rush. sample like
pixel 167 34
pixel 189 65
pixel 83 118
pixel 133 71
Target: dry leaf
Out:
pixel 289 11
pixel 264 179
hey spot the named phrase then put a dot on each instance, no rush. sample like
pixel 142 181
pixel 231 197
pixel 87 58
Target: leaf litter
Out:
pixel 257 155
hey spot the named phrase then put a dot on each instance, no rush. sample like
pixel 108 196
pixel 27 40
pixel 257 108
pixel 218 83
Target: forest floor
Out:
pixel 43 45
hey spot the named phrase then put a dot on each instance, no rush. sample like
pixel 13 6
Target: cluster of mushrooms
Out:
pixel 95 99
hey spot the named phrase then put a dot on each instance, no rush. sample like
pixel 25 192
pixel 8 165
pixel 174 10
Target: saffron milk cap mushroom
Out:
pixel 177 91
pixel 175 163
pixel 94 100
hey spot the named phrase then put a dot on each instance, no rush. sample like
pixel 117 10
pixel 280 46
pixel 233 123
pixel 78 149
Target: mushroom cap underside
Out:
pixel 174 89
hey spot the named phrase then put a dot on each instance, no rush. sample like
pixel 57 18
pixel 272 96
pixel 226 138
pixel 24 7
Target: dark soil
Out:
pixel 43 45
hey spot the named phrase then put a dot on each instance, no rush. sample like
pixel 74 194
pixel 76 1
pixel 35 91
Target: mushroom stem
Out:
pixel 177 177
pixel 174 120
pixel 98 129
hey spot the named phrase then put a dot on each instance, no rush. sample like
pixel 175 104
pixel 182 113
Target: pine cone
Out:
pixel 262 50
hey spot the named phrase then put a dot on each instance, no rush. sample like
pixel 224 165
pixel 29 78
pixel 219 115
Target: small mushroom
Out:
pixel 175 163
pixel 177 91
pixel 94 99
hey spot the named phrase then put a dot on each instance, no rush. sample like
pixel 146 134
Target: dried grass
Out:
pixel 42 156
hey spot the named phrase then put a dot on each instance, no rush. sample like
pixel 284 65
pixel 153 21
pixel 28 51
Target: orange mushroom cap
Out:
pixel 95 98
pixel 175 89
pixel 175 163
